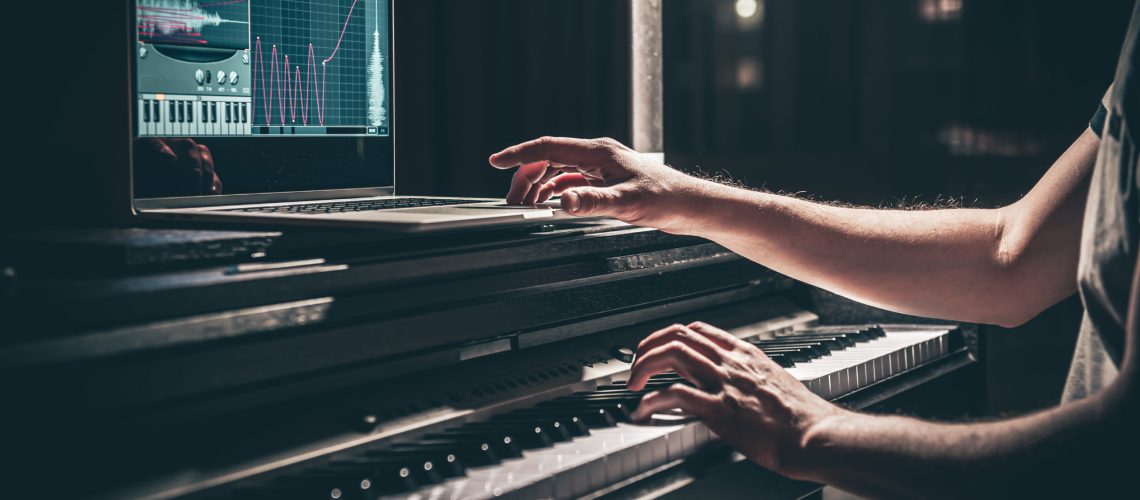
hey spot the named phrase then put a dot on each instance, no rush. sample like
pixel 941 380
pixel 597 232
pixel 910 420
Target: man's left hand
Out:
pixel 748 400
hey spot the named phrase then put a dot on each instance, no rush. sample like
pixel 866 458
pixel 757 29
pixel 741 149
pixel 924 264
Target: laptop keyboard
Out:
pixel 356 206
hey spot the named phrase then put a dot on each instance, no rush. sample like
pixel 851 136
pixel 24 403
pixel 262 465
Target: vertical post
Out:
pixel 647 94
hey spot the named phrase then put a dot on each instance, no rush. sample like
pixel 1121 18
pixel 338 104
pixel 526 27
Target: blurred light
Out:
pixel 746 8
pixel 966 140
pixel 939 11
pixel 749 74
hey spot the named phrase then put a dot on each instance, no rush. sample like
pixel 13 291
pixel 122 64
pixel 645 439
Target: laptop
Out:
pixel 272 112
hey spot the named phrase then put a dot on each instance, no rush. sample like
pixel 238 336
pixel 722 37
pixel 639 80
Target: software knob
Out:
pixel 221 77
pixel 199 76
pixel 233 77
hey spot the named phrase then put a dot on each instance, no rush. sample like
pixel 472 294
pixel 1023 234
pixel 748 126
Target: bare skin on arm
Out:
pixel 975 265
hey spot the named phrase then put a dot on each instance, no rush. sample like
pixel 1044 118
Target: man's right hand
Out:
pixel 602 178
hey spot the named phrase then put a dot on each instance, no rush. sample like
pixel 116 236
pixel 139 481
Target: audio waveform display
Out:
pixel 219 23
pixel 340 82
pixel 377 97
pixel 291 92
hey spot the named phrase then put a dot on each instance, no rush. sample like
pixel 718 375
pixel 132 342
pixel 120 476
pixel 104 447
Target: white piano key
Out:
pixel 192 118
pixel 140 115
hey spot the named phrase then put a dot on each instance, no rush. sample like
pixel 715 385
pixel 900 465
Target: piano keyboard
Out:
pixel 176 115
pixel 583 442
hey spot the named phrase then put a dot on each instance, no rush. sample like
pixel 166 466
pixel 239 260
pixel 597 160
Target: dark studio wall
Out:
pixel 474 77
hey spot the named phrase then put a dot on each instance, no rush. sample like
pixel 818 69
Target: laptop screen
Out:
pixel 261 96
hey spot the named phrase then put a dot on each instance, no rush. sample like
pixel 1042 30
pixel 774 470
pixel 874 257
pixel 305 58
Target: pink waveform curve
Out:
pixel 290 91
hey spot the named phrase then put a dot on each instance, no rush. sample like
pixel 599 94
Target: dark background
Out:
pixel 871 102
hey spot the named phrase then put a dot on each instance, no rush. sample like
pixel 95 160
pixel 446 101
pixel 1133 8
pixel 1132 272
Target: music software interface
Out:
pixel 262 68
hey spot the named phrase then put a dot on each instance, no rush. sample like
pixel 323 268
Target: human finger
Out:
pixel 683 334
pixel 673 356
pixel 722 338
pixel 187 167
pixel 593 201
pixel 532 196
pixel 558 150
pixel 561 183
pixel 690 400
pixel 211 183
pixel 524 180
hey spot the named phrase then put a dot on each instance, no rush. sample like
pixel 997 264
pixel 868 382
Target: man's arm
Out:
pixel 999 266
pixel 1079 449
pixel 1065 449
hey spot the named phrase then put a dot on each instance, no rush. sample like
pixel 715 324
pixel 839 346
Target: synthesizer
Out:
pixel 578 439
pixel 449 367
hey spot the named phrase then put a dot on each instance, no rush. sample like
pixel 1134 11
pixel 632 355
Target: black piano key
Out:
pixel 316 484
pixel 189 112
pixel 287 492
pixel 782 360
pixel 850 333
pixel 156 111
pixel 146 111
pixel 503 443
pixel 619 411
pixel 794 355
pixel 552 426
pixel 205 112
pixel 592 418
pixel 375 478
pixel 447 463
pixel 601 396
pixel 471 452
pixel 816 349
pixel 849 339
pixel 244 118
pixel 214 112
pixel 172 113
pixel 181 111
pixel 570 425
pixel 379 462
pixel 835 343
pixel 528 436
pixel 558 430
pixel 227 112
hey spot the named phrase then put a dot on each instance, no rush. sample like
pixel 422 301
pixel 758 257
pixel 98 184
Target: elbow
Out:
pixel 1009 315
pixel 1010 305
pixel 1014 320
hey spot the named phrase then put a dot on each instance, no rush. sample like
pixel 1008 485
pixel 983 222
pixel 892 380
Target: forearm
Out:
pixel 999 266
pixel 994 266
pixel 943 263
pixel 1047 452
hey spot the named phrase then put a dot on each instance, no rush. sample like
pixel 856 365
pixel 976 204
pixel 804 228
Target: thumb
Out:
pixel 592 201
